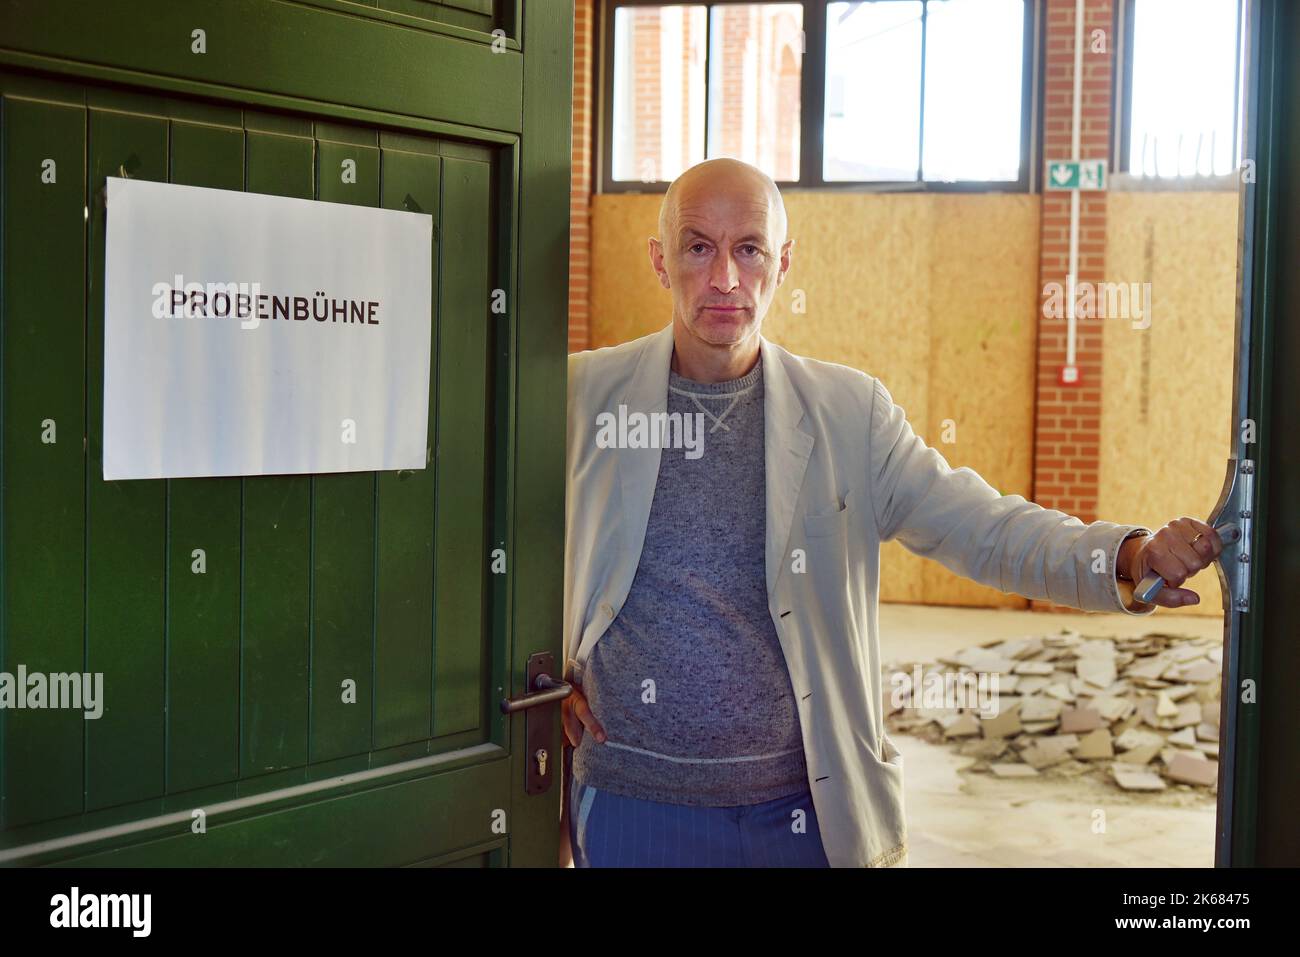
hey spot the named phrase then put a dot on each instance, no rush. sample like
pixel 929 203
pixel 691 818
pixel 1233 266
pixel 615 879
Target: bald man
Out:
pixel 726 504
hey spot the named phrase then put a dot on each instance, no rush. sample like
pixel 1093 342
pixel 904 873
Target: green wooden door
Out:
pixel 231 618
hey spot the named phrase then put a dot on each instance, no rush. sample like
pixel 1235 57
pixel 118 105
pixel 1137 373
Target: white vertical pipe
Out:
pixel 1072 272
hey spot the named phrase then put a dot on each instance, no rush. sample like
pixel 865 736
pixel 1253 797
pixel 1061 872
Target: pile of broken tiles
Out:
pixel 1142 711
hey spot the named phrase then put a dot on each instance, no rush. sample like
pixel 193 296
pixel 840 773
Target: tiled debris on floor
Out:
pixel 1143 711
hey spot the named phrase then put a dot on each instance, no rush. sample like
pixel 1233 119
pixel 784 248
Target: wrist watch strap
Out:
pixel 1121 573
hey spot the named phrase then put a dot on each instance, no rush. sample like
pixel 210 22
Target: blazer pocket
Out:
pixel 821 524
pixel 889 753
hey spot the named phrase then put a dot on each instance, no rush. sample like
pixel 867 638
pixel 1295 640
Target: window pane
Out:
pixel 1184 81
pixel 755 57
pixel 873 91
pixel 974 55
pixel 658 108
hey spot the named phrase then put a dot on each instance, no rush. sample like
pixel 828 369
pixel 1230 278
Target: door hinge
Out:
pixel 1246 520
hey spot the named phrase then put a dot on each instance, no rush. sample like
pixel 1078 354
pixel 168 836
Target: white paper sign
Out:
pixel 262 335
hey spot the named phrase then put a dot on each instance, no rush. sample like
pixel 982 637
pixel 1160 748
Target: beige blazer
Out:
pixel 845 472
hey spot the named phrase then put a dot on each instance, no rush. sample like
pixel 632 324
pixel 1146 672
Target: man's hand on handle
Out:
pixel 1175 553
pixel 576 714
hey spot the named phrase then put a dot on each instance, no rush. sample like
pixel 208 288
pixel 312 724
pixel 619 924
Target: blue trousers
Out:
pixel 611 830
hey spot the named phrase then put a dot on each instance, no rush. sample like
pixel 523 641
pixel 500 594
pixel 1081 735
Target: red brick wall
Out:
pixel 1067 421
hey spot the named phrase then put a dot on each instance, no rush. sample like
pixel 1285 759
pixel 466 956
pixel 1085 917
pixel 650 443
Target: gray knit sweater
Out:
pixel 689 681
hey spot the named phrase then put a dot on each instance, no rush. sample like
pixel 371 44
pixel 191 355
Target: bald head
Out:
pixel 723 176
pixel 722 251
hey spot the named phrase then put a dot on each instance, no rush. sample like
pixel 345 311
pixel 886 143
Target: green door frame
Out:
pixel 1260 725
pixel 508 87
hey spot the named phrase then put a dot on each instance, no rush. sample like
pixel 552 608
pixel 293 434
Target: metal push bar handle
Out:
pixel 1150 586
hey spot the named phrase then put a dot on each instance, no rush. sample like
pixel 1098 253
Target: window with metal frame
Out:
pixel 870 95
pixel 1178 113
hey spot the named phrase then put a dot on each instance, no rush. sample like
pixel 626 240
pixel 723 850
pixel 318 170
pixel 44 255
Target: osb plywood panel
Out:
pixel 984 269
pixel 1167 389
pixel 627 301
pixel 933 294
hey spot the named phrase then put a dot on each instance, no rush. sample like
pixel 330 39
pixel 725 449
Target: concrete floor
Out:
pixel 963 819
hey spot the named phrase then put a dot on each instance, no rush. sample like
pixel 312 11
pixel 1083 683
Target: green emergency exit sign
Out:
pixel 1076 174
